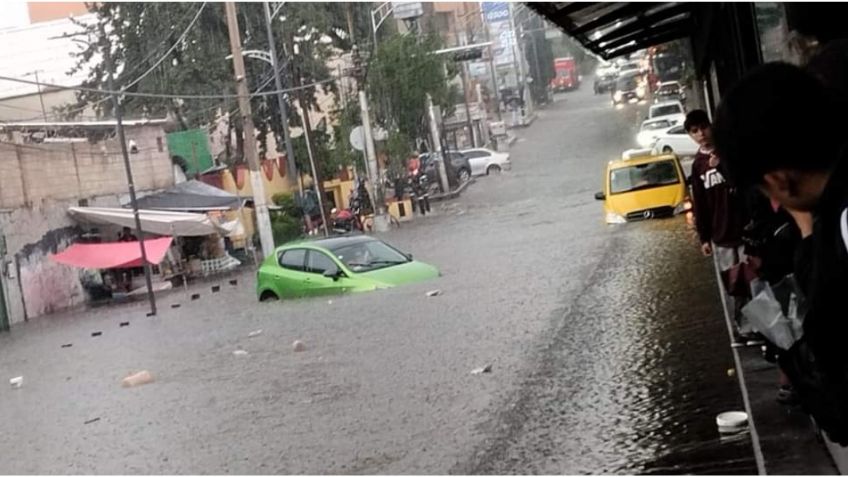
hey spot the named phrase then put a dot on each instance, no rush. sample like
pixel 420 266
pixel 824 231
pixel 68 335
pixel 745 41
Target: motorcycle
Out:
pixel 347 220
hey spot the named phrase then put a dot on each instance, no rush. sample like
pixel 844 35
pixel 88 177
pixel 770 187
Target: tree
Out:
pixel 402 73
pixel 179 47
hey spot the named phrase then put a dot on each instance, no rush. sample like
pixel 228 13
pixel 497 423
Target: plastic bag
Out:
pixel 777 312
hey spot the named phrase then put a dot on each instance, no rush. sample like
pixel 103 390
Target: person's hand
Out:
pixel 713 160
pixel 804 220
pixel 706 249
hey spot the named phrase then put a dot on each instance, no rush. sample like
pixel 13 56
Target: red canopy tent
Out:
pixel 113 254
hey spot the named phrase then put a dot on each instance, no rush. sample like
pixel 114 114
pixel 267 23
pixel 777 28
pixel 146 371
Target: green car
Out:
pixel 337 265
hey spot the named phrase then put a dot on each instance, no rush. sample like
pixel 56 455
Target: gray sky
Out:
pixel 14 14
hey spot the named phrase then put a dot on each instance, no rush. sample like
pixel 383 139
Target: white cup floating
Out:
pixel 17 382
pixel 731 422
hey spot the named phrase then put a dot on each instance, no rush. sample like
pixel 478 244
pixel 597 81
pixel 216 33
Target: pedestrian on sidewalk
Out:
pixel 772 237
pixel 781 130
pixel 718 207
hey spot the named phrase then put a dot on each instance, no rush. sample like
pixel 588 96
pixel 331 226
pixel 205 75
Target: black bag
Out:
pixel 822 388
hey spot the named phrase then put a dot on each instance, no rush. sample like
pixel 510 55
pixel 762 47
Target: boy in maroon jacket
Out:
pixel 719 209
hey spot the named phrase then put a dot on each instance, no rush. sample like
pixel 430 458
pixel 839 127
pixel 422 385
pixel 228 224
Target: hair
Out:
pixel 830 66
pixel 697 117
pixel 778 117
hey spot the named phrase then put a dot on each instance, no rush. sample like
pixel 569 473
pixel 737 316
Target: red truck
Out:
pixel 566 76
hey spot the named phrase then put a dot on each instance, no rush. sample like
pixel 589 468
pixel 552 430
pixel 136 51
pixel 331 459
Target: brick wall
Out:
pixel 37 185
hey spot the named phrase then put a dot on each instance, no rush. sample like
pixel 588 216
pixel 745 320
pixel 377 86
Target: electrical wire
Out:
pixel 155 65
pixel 164 95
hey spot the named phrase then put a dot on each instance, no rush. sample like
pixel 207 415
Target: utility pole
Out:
pixel 119 127
pixel 437 146
pixel 464 77
pixel 40 97
pixel 381 222
pixel 492 69
pixel 519 59
pixel 263 219
pixel 307 135
pixel 291 168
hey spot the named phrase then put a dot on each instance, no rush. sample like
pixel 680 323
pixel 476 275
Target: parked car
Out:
pixel 671 110
pixel 628 87
pixel 643 186
pixel 675 140
pixel 459 169
pixel 650 129
pixel 485 161
pixel 605 83
pixel 336 265
pixel 669 91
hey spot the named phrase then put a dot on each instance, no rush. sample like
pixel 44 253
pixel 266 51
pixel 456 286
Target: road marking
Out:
pixel 740 373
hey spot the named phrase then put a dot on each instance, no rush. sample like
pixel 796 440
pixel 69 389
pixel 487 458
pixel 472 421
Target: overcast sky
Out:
pixel 14 14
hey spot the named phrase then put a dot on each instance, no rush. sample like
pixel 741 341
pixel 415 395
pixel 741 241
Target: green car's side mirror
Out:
pixel 335 274
pixel 409 256
pixel 600 196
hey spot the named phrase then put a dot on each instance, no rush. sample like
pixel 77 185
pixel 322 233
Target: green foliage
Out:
pixel 285 228
pixel 287 204
pixel 398 148
pixel 143 32
pixel 347 117
pixel 399 77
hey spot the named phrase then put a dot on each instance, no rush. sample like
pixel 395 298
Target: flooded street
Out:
pixel 608 348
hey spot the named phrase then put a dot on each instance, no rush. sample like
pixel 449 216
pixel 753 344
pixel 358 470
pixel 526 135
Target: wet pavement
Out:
pixel 607 346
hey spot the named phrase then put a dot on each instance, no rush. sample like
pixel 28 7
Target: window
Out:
pixel 475 154
pixel 665 110
pixel 652 126
pixel 677 130
pixel 774 32
pixel 643 176
pixel 369 255
pixel 317 262
pixel 293 259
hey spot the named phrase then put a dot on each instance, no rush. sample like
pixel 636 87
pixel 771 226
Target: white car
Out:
pixel 650 130
pixel 671 110
pixel 485 161
pixel 676 140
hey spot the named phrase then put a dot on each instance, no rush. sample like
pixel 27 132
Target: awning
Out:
pixel 159 222
pixel 615 29
pixel 113 254
pixel 192 195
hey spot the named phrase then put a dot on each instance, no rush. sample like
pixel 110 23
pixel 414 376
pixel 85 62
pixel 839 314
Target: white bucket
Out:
pixel 732 421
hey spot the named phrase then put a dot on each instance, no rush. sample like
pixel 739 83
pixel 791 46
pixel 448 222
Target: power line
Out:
pixel 163 95
pixel 155 65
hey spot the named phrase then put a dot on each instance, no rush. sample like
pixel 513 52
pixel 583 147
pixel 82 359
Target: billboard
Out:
pixel 496 11
pixel 406 10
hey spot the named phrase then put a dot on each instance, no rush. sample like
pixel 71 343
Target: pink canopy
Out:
pixel 113 254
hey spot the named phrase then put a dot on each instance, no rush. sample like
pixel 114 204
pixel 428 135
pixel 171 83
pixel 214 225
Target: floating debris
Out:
pixel 298 346
pixel 254 334
pixel 96 334
pixel 17 382
pixel 240 352
pixel 434 293
pixel 484 369
pixel 137 379
pixel 124 323
pixel 90 421
pixel 216 288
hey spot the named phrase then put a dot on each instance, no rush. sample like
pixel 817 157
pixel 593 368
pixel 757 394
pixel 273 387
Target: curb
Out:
pixel 452 194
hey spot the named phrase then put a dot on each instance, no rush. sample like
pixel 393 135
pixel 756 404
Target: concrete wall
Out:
pixel 37 185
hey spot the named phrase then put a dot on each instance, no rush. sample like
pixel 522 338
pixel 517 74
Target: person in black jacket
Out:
pixel 781 130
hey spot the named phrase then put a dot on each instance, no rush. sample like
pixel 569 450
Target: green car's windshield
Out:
pixel 367 256
pixel 643 176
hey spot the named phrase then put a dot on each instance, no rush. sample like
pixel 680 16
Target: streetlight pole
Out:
pixel 291 168
pixel 263 219
pixel 119 127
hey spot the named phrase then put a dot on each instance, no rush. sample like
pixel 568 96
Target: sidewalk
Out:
pixel 784 438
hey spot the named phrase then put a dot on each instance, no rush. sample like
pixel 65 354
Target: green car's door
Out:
pixel 318 263
pixel 290 276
